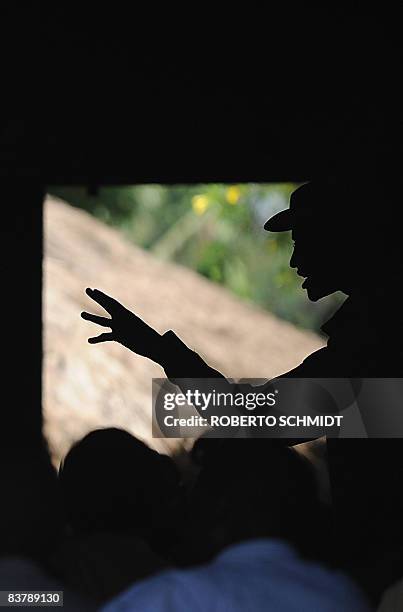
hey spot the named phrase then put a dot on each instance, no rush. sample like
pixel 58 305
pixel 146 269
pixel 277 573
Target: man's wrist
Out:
pixel 159 349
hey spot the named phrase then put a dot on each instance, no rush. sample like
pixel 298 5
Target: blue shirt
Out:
pixel 254 576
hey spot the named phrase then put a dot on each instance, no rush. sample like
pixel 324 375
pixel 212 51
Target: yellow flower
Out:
pixel 200 204
pixel 233 194
pixel 272 244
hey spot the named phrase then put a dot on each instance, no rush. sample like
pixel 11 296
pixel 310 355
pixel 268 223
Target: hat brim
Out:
pixel 281 222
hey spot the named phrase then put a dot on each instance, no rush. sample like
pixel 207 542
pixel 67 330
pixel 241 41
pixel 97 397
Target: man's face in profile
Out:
pixel 314 259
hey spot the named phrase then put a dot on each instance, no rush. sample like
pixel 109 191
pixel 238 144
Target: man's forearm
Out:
pixel 185 368
pixel 179 361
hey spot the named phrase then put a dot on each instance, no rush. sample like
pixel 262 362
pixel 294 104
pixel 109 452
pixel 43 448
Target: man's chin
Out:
pixel 316 291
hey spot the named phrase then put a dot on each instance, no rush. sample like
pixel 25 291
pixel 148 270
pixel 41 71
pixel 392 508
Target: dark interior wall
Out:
pixel 21 248
pixel 29 512
pixel 119 96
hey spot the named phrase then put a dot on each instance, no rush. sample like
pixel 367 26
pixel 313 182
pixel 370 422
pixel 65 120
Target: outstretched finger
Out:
pixel 104 321
pixel 104 300
pixel 101 338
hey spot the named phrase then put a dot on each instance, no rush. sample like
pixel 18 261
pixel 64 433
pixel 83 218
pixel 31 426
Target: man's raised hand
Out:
pixel 126 327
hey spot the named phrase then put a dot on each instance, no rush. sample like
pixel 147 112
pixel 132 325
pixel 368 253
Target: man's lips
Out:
pixel 303 274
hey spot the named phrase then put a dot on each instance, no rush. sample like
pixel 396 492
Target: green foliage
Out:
pixel 216 230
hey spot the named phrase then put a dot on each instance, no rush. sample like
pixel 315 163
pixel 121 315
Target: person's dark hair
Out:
pixel 255 489
pixel 112 481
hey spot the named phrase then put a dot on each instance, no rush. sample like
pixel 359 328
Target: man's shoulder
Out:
pixel 317 364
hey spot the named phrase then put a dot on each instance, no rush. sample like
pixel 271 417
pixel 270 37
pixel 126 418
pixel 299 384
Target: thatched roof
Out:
pixel 94 386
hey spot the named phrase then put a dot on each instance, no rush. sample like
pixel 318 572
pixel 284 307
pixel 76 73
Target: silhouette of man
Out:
pixel 342 243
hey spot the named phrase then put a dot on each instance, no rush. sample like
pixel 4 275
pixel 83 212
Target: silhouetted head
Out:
pixel 251 489
pixel 341 235
pixel 112 481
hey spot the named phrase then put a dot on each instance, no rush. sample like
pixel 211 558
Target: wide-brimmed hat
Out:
pixel 306 202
